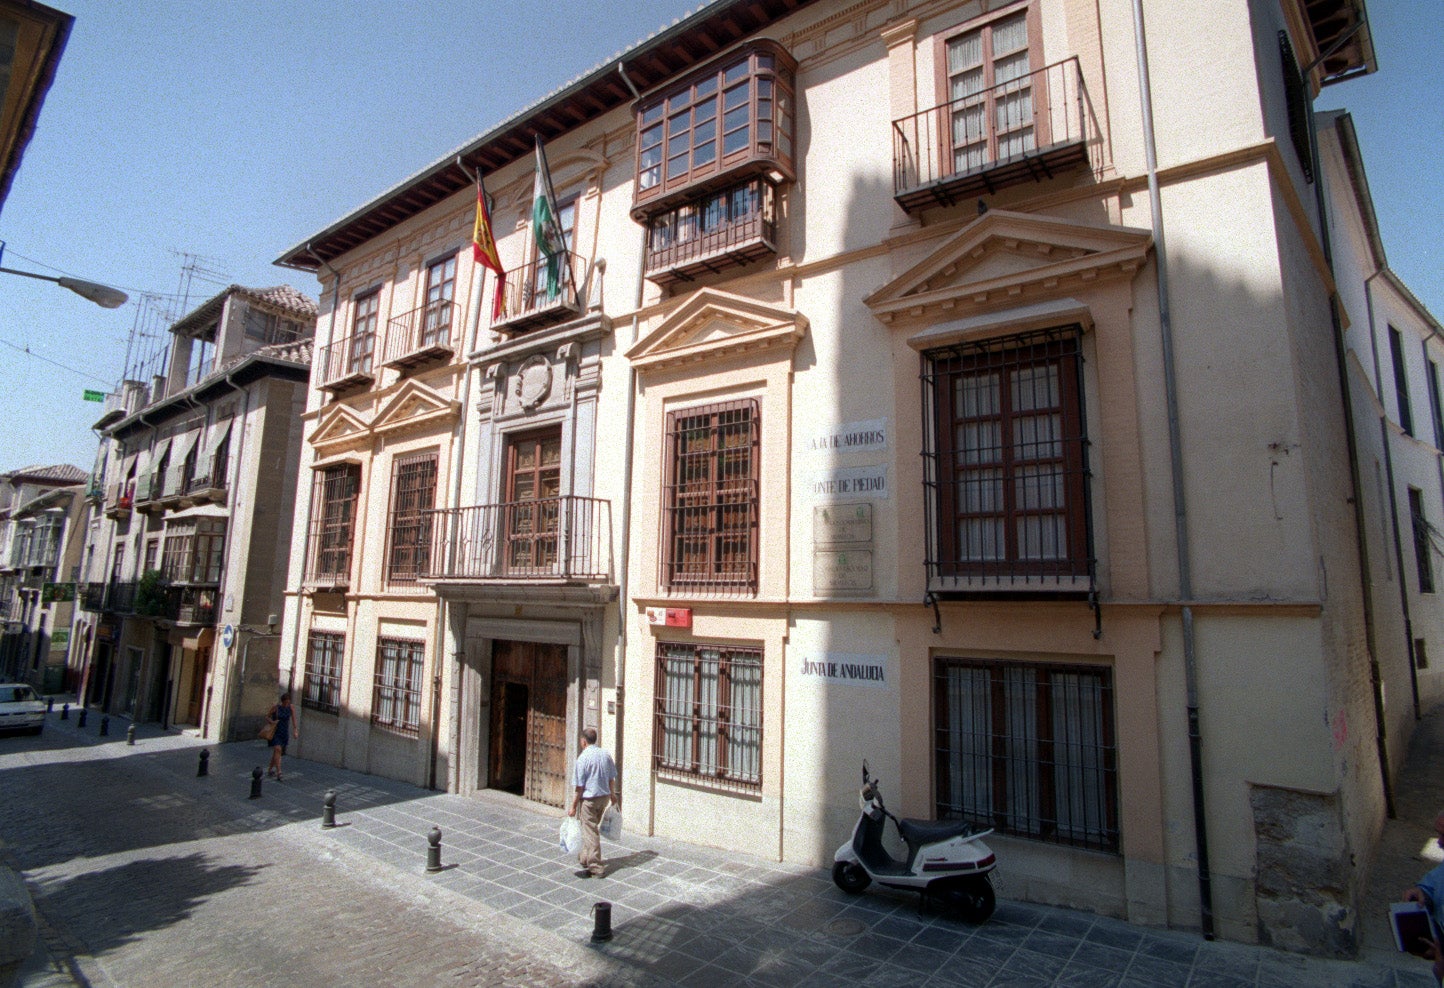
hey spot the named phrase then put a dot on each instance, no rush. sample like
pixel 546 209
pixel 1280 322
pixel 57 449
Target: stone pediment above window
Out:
pixel 711 324
pixel 415 406
pixel 1006 258
pixel 340 429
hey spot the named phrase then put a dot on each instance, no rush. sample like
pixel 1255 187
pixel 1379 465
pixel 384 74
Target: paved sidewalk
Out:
pixel 688 915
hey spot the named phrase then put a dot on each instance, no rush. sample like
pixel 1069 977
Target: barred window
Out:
pixel 332 517
pixel 1028 749
pixel 711 498
pixel 396 702
pixel 332 522
pixel 709 714
pixel 1007 458
pixel 413 496
pixel 322 687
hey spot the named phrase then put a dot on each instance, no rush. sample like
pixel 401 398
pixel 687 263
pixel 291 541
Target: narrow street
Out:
pixel 145 875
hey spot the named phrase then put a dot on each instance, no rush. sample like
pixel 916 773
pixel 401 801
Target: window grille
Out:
pixel 333 522
pixel 1028 749
pixel 396 702
pixel 413 495
pixel 1006 462
pixel 709 714
pixel 711 498
pixel 324 657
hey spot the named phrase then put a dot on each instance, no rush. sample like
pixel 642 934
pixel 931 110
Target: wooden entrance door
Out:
pixel 199 671
pixel 529 720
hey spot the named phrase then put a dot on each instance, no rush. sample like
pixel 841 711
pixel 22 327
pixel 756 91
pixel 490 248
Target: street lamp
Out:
pixel 102 295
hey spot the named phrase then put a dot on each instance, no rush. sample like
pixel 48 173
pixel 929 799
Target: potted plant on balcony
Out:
pixel 150 594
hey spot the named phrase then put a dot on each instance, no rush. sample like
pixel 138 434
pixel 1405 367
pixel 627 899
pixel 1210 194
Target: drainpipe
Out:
pixel 1326 243
pixel 233 695
pixel 1180 504
pixel 626 513
pixel 310 499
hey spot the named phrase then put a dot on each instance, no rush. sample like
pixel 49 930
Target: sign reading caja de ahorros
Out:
pixel 846 669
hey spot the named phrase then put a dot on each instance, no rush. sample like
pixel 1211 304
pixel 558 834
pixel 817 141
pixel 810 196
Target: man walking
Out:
pixel 595 776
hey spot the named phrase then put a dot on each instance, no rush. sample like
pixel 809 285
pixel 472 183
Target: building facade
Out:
pixel 952 385
pixel 182 576
pixel 42 524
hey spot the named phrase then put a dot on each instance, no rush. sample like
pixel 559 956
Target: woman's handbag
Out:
pixel 269 731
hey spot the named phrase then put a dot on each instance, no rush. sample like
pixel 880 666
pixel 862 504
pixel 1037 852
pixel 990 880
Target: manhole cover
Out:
pixel 846 927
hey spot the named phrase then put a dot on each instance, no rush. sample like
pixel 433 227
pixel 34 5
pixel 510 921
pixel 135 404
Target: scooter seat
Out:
pixel 919 832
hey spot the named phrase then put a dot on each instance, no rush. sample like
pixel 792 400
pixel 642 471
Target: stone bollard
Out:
pixel 65 711
pixel 601 922
pixel 49 704
pixel 80 721
pixel 328 809
pixel 105 725
pixel 433 853
pixel 256 782
pixel 130 734
pixel 204 768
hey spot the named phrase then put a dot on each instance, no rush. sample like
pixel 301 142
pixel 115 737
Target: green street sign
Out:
pixel 94 395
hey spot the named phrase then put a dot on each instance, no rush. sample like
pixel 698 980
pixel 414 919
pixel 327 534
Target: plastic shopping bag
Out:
pixel 571 835
pixel 611 826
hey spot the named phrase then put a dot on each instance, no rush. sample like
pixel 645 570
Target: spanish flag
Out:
pixel 483 248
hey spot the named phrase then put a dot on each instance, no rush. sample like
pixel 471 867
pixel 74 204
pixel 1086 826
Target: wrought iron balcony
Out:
pixel 120 596
pixel 725 229
pixel 531 299
pixel 208 485
pixel 348 363
pixel 92 597
pixel 1026 129
pixel 425 333
pixel 119 498
pixel 559 539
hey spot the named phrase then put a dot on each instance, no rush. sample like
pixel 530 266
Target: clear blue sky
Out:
pixel 233 130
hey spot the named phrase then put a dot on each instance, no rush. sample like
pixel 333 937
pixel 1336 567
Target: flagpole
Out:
pixel 555 220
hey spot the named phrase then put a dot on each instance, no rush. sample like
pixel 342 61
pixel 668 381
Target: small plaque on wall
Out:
pixel 846 572
pixel 842 523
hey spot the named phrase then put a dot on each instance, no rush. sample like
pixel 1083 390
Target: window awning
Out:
pixel 218 437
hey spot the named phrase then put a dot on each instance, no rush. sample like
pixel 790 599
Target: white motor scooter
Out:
pixel 946 861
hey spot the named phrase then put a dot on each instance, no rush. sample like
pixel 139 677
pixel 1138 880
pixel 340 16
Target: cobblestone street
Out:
pixel 145 874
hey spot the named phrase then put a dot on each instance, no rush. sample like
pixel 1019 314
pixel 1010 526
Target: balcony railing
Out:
pixel 191 605
pixel 1026 129
pixel 422 334
pixel 210 484
pixel 347 363
pixel 119 497
pixel 528 303
pixel 92 597
pixel 120 596
pixel 556 539
pixel 727 228
pixel 329 555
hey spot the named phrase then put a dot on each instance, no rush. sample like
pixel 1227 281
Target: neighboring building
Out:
pixel 1395 347
pixel 197 477
pixel 32 39
pixel 898 434
pixel 42 511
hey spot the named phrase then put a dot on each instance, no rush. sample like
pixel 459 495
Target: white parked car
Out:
pixel 21 708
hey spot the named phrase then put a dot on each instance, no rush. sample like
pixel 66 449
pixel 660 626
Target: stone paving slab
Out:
pixel 690 915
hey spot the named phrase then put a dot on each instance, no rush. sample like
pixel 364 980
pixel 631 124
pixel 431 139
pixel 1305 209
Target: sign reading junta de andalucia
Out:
pixel 846 669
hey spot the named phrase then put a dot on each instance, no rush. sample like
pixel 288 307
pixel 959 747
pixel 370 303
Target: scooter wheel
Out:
pixel 850 877
pixel 971 898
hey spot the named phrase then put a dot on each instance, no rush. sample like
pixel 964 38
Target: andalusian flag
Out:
pixel 483 247
pixel 544 226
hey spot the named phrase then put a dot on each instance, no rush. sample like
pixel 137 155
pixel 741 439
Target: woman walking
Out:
pixel 285 717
